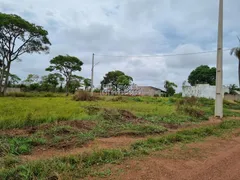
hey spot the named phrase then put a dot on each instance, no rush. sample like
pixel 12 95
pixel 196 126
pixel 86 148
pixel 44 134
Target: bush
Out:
pixel 156 95
pixel 84 96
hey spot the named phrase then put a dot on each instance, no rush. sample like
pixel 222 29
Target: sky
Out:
pixel 132 28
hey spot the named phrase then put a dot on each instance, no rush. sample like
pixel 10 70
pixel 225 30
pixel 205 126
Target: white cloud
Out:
pixel 131 27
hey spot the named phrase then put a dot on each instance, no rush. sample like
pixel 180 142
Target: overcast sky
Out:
pixel 131 27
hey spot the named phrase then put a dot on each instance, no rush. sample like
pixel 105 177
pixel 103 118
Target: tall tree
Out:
pixel 170 88
pixel 13 80
pixel 203 75
pixel 236 52
pixel 124 82
pixel 87 83
pixel 31 78
pixel 65 65
pixel 17 37
pixel 118 80
pixel 51 81
pixel 75 83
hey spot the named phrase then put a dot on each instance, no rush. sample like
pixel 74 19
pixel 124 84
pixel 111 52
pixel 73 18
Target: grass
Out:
pixel 55 121
pixel 22 112
pixel 79 166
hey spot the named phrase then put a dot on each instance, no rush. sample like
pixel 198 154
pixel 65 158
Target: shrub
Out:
pixel 84 96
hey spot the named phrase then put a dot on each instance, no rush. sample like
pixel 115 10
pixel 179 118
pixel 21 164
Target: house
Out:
pixel 134 90
pixel 150 91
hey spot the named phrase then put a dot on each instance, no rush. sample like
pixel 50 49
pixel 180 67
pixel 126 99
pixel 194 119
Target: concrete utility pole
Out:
pixel 92 74
pixel 219 75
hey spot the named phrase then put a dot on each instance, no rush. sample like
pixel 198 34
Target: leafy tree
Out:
pixel 87 83
pixel 124 82
pixel 13 80
pixel 236 52
pixel 117 79
pixel 17 37
pixel 170 88
pixel 75 83
pixel 51 81
pixel 203 75
pixel 65 65
pixel 31 78
pixel 233 88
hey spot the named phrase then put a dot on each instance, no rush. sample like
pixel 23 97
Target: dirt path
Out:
pixel 214 159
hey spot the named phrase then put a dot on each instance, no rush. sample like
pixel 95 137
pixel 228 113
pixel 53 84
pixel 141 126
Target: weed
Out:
pixel 18 145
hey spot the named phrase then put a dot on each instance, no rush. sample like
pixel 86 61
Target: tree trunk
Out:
pixel 6 79
pixel 67 86
pixel 1 78
pixel 239 72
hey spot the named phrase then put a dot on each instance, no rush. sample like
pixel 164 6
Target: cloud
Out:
pixel 131 27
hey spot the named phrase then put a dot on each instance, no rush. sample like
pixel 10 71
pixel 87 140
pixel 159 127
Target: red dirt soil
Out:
pixel 214 159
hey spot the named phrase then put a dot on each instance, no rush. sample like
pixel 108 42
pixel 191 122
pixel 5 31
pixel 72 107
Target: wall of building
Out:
pixel 148 91
pixel 231 97
pixel 12 90
pixel 202 90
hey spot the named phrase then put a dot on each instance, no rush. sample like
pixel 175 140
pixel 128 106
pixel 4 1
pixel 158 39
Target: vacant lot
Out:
pixel 57 137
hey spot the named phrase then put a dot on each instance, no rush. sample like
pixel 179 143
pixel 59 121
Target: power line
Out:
pixel 163 55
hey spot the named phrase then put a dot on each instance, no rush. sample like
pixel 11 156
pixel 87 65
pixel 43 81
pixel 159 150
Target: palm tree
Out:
pixel 236 52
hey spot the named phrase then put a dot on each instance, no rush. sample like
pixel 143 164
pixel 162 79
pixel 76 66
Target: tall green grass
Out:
pixel 21 111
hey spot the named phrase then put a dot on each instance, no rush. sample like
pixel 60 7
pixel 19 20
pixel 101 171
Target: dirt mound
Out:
pixel 78 125
pixel 120 115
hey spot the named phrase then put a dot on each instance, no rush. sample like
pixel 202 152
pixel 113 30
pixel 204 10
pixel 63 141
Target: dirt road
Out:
pixel 214 159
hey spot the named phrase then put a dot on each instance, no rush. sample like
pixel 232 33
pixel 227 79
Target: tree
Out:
pixel 31 78
pixel 75 83
pixel 203 75
pixel 13 80
pixel 117 80
pixel 66 65
pixel 233 88
pixel 169 86
pixel 17 37
pixel 124 82
pixel 87 83
pixel 51 81
pixel 236 52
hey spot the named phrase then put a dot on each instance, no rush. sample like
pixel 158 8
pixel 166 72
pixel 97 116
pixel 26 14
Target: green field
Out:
pixel 20 112
pixel 59 122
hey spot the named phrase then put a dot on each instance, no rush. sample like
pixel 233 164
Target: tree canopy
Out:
pixel 51 81
pixel 203 75
pixel 75 83
pixel 87 83
pixel 170 88
pixel 65 65
pixel 117 79
pixel 17 37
